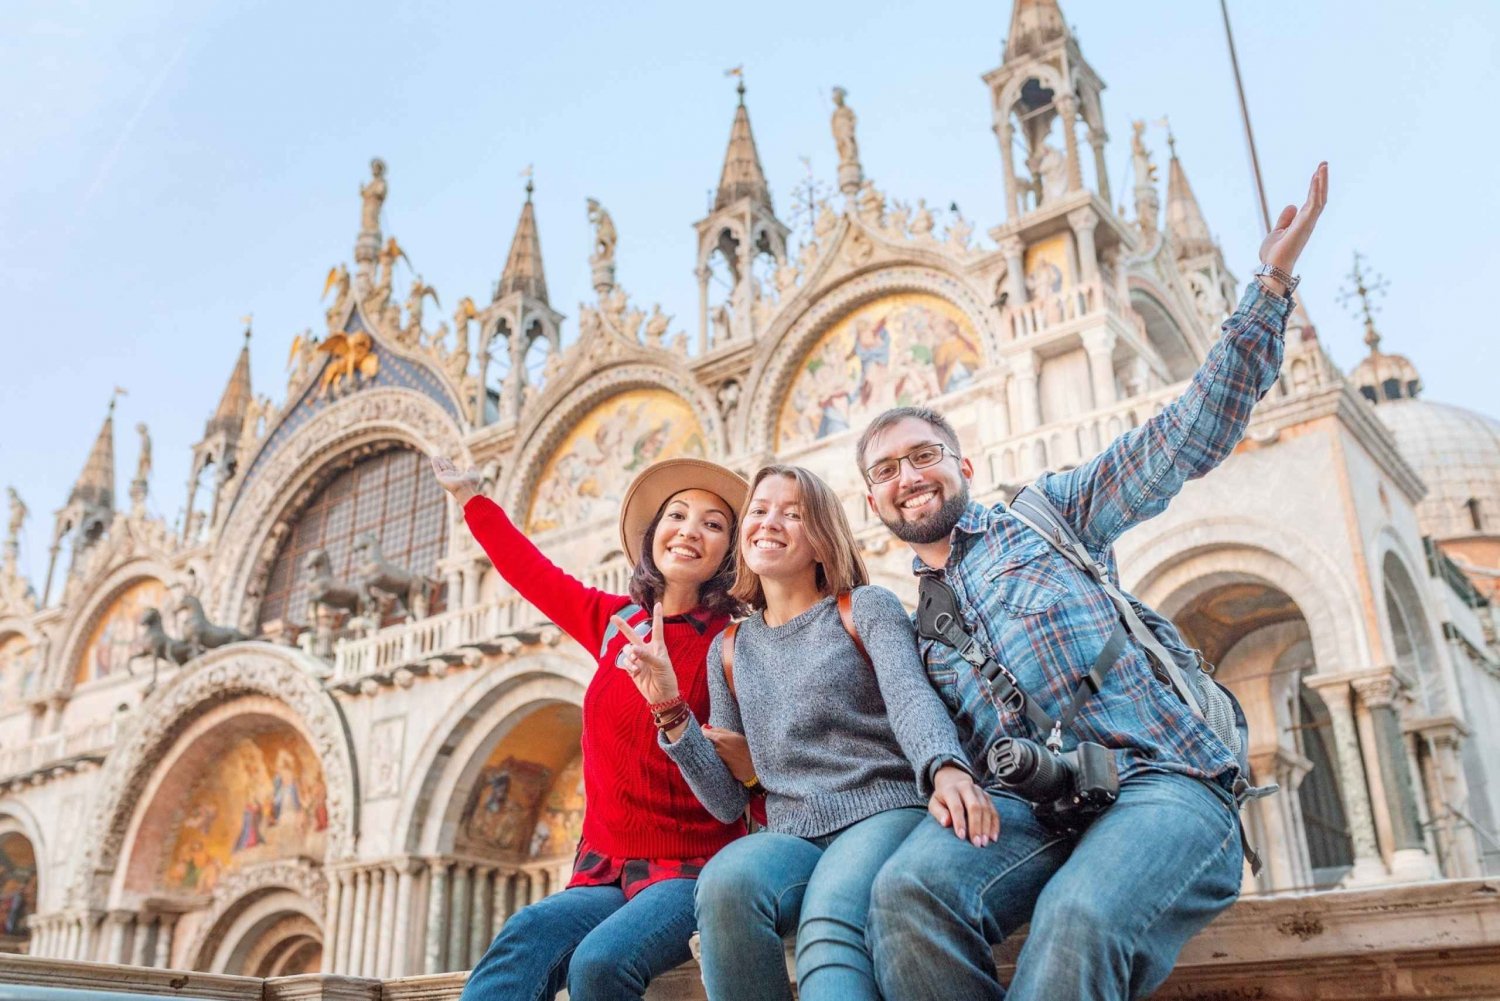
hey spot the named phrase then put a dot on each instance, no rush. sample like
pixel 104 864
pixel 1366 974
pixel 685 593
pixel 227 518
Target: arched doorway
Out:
pixel 18 889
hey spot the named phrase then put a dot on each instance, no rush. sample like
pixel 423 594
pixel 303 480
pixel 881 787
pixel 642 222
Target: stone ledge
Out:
pixel 1432 941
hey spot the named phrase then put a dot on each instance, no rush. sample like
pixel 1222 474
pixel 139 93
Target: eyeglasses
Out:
pixel 920 458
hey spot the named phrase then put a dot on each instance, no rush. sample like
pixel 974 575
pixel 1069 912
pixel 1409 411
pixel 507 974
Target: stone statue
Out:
pixel 843 129
pixel 1145 170
pixel 656 326
pixel 728 397
pixel 338 278
pixel 1052 172
pixel 604 234
pixel 17 513
pixel 921 224
pixel 458 361
pixel 143 464
pixel 373 195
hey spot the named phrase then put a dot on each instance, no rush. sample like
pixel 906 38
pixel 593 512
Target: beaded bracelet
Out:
pixel 661 707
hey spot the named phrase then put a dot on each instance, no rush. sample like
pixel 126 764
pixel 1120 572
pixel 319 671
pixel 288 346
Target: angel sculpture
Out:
pixel 353 359
pixel 338 277
pixel 419 292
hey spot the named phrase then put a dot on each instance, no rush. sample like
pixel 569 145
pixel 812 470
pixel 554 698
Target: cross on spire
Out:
pixel 1365 284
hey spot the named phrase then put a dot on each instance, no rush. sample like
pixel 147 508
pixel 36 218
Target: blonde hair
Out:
pixel 840 568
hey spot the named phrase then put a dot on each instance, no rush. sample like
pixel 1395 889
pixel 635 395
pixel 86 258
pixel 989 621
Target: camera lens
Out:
pixel 1029 770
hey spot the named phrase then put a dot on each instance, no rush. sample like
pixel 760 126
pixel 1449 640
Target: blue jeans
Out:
pixel 1109 910
pixel 589 940
pixel 766 886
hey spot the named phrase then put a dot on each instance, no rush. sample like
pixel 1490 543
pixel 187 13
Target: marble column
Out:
pixel 1014 249
pixel 370 919
pixel 1099 345
pixel 1097 139
pixel 1026 371
pixel 703 275
pixel 1409 856
pixel 1449 792
pixel 1006 134
pixel 346 921
pixel 331 923
pixel 355 960
pixel 141 949
pixel 1285 849
pixel 1083 222
pixel 117 923
pixel 165 925
pixel 1067 108
pixel 1368 865
pixel 89 935
pixel 480 914
pixel 434 958
pixel 385 957
pixel 401 929
pixel 460 902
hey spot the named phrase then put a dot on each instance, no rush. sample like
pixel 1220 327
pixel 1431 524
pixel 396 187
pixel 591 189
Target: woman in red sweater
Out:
pixel 627 913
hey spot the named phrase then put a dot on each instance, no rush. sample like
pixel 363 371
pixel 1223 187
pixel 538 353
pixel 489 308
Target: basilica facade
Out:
pixel 310 729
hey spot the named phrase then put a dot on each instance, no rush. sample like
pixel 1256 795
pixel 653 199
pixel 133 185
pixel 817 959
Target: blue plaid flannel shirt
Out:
pixel 1046 620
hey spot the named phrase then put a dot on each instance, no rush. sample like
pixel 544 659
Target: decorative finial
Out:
pixel 739 72
pixel 529 186
pixel 1166 123
pixel 246 320
pixel 114 397
pixel 1365 284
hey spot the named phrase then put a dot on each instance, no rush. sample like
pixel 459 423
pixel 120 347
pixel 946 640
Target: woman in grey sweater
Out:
pixel 848 750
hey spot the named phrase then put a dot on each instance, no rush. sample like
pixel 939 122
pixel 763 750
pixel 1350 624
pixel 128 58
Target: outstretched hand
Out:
pixel 462 485
pixel 1283 245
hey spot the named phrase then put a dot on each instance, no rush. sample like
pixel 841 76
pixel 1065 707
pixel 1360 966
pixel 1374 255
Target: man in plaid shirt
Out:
pixel 1111 907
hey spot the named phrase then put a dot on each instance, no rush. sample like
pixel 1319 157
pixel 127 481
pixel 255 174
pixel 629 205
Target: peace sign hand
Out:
pixel 647 662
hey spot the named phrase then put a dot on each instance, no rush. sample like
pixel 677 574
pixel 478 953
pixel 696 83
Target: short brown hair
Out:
pixel 840 567
pixel 895 415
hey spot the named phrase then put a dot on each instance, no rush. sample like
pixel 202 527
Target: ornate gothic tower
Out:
pixel 1198 255
pixel 741 227
pixel 83 521
pixel 219 445
pixel 520 316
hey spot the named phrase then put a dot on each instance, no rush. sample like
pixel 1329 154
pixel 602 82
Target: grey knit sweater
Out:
pixel 833 741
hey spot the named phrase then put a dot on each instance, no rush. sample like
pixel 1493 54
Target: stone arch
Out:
pixel 1045 74
pixel 249 901
pixel 14 627
pixel 284 675
pixel 95 605
pixel 18 822
pixel 1404 603
pixel 286 480
pixel 546 433
pixel 450 761
pixel 771 379
pixel 1167 331
pixel 1187 559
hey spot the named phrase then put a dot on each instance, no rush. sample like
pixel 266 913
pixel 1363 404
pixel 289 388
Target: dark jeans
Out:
pixel 589 940
pixel 1108 913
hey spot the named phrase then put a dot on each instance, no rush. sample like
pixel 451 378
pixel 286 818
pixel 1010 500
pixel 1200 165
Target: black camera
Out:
pixel 1066 789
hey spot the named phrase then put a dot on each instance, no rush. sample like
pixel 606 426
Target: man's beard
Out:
pixel 936 526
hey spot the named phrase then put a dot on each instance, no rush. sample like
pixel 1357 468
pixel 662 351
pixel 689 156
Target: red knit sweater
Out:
pixel 637 803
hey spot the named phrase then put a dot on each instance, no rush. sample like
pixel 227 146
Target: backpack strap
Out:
pixel 726 656
pixel 1032 508
pixel 846 616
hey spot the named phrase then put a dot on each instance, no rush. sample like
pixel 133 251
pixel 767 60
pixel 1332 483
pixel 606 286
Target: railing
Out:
pixel 1020 458
pixel 444 635
pixel 1047 312
pixel 59 748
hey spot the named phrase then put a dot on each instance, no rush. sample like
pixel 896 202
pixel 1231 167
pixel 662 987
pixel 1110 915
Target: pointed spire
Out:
pixel 742 176
pixel 1033 25
pixel 96 484
pixel 230 415
pixel 1185 222
pixel 523 266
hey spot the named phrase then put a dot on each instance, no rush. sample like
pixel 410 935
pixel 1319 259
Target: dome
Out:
pixel 1457 454
pixel 1381 377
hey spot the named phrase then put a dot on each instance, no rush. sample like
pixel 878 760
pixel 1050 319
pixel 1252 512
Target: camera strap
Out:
pixel 939 619
pixel 1032 508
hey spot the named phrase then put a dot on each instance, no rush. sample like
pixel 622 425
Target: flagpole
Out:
pixel 1239 86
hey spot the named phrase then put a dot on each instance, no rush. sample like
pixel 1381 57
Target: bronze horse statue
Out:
pixel 201 634
pixel 380 577
pixel 322 589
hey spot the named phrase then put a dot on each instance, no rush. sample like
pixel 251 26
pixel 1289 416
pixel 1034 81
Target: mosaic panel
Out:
pixel 119 631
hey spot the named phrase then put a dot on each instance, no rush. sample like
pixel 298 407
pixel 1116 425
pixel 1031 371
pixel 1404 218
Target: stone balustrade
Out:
pixel 65 749
pixel 1045 314
pixel 1437 941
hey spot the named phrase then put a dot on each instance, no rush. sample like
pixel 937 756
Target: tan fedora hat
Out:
pixel 657 484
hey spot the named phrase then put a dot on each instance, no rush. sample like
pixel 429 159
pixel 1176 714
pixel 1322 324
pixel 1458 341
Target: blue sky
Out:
pixel 171 166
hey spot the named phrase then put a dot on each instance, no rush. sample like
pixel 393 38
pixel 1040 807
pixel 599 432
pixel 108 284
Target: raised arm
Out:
pixel 578 610
pixel 1139 472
